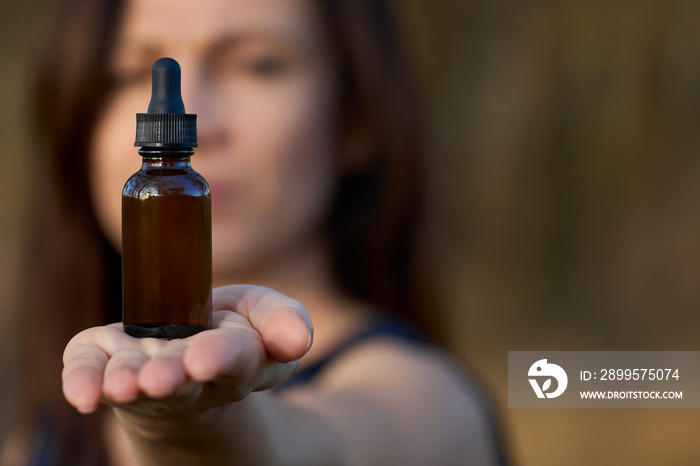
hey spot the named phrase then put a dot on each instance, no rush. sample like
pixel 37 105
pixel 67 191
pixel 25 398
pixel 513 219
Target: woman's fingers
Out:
pixel 282 322
pixel 83 367
pixel 121 375
pixel 163 374
pixel 286 334
pixel 233 350
pixel 85 362
pixel 233 356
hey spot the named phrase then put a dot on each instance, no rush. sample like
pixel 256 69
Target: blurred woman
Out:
pixel 311 138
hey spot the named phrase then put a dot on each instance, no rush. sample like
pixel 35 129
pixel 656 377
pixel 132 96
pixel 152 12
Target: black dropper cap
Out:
pixel 166 124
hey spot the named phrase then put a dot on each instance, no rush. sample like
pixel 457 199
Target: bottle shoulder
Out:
pixel 165 182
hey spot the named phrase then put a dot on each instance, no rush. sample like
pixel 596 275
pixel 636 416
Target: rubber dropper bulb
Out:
pixel 166 95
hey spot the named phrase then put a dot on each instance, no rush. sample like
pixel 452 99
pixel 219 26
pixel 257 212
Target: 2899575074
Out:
pixel 639 374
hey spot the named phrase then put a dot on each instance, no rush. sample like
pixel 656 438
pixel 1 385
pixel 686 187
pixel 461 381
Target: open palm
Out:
pixel 255 342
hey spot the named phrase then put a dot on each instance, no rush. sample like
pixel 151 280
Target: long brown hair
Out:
pixel 75 275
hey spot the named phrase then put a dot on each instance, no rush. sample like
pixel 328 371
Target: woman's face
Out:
pixel 258 75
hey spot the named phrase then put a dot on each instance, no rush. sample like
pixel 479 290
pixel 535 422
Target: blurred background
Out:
pixel 566 189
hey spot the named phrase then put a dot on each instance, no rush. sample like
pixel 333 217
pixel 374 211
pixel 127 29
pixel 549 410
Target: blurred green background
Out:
pixel 566 193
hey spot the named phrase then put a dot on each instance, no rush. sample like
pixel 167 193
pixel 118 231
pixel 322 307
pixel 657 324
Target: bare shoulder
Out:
pixel 402 403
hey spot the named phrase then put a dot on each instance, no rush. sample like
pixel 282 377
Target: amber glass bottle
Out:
pixel 166 221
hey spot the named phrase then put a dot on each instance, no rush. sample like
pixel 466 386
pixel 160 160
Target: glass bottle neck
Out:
pixel 165 158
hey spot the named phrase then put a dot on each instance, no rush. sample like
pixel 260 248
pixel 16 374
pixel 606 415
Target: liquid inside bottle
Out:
pixel 166 235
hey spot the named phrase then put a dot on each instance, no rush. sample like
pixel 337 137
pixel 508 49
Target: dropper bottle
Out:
pixel 166 221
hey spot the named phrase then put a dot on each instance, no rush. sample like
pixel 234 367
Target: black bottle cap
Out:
pixel 166 124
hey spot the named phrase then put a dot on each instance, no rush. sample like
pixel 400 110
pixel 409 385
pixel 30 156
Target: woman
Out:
pixel 309 136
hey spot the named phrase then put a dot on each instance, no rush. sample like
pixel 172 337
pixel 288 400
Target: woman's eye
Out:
pixel 266 66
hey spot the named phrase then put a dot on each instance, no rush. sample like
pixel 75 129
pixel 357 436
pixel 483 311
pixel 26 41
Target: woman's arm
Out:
pixel 260 430
pixel 192 401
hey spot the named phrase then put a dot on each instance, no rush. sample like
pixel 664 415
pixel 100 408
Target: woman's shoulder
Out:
pixel 434 404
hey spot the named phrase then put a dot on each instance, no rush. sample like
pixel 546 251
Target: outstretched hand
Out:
pixel 255 342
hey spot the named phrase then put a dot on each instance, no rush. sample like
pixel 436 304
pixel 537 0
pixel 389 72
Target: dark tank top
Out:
pixel 378 329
